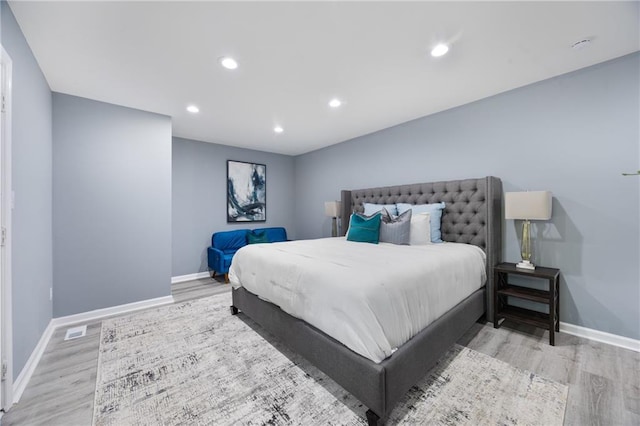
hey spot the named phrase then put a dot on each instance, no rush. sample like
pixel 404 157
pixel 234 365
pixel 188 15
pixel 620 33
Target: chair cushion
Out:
pixel 230 240
pixel 276 235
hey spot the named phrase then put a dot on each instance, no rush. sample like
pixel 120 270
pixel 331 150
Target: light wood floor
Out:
pixel 603 380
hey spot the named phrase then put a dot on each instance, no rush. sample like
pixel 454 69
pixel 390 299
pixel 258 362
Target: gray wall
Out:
pixel 572 135
pixel 199 197
pixel 31 176
pixel 112 205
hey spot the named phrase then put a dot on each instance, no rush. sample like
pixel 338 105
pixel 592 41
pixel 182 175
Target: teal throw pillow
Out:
pixel 364 229
pixel 257 237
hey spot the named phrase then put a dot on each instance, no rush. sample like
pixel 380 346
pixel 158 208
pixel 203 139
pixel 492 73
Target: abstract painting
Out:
pixel 246 192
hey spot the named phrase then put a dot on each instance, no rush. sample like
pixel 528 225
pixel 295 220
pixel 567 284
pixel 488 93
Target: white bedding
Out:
pixel 370 297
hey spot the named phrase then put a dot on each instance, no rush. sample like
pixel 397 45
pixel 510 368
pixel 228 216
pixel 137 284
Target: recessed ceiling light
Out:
pixel 439 50
pixel 228 63
pixel 193 109
pixel 278 129
pixel 335 103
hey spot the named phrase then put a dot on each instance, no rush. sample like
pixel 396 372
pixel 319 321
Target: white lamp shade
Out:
pixel 532 205
pixel 332 208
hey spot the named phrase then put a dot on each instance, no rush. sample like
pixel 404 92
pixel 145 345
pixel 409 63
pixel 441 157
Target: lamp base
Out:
pixel 525 264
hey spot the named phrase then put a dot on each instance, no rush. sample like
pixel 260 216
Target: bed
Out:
pixel 472 216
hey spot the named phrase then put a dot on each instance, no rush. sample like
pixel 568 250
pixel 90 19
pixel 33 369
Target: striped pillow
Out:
pixel 395 229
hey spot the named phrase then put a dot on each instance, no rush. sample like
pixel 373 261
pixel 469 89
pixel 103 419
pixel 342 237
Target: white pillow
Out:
pixel 420 233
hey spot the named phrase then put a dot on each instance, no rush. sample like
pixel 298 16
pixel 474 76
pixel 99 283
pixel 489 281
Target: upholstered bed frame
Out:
pixel 473 215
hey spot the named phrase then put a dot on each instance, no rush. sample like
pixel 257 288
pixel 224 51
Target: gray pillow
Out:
pixel 395 229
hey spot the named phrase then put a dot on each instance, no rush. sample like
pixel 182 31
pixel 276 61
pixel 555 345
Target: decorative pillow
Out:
pixel 436 216
pixel 395 229
pixel 257 237
pixel 364 229
pixel 371 209
pixel 420 229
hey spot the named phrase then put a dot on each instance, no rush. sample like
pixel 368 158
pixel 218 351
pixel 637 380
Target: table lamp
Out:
pixel 332 209
pixel 527 206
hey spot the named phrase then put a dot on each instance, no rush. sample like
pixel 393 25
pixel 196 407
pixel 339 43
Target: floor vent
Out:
pixel 76 332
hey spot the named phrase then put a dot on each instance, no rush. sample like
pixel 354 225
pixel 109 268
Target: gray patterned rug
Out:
pixel 194 363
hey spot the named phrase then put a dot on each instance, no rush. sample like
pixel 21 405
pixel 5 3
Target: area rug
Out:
pixel 194 363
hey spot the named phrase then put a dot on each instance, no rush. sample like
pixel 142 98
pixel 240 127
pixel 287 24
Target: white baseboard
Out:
pixel 25 375
pixel 600 336
pixel 114 310
pixel 20 384
pixel 190 277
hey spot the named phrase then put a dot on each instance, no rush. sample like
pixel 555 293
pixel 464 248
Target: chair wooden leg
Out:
pixel 213 274
pixel 226 278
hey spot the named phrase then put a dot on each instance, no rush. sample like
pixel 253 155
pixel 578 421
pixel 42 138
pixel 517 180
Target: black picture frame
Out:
pixel 246 192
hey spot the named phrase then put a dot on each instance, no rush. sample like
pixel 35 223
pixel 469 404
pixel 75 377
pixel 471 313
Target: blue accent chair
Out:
pixel 225 244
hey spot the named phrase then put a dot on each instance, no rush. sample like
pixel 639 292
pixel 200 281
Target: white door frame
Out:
pixel 6 206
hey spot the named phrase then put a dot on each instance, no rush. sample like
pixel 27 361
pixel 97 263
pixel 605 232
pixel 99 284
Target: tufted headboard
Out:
pixel 472 214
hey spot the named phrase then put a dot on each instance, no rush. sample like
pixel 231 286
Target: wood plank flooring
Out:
pixel 61 390
pixel 603 380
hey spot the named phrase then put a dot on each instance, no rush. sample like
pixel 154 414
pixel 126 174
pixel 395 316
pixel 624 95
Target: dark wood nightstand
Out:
pixel 502 289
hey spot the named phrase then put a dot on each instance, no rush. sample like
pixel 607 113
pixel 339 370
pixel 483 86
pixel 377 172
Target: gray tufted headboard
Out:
pixel 473 213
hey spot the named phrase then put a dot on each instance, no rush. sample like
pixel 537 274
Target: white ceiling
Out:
pixel 295 57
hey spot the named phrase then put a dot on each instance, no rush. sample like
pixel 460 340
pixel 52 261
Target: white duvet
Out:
pixel 370 297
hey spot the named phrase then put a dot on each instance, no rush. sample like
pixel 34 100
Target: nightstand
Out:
pixel 502 289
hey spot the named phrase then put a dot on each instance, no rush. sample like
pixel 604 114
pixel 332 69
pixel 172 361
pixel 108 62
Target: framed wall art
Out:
pixel 246 192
